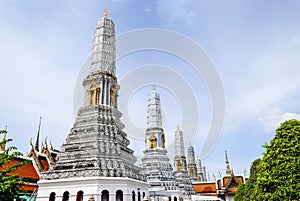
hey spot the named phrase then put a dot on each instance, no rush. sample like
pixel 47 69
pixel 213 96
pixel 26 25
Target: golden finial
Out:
pixel 106 12
pixel 46 142
pixel 51 147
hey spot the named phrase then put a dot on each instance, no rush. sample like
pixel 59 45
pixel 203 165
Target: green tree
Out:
pixel 9 183
pixel 278 175
pixel 245 191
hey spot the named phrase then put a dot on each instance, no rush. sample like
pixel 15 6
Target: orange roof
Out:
pixel 26 171
pixel 225 180
pixel 44 163
pixel 29 187
pixel 240 179
pixel 205 187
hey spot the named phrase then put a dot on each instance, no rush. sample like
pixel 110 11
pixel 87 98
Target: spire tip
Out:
pixel 106 12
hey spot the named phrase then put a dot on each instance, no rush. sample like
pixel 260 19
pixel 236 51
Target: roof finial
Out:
pixel 178 127
pixel 228 171
pixel 31 144
pixel 46 142
pixel 106 12
pixel 37 143
pixel 51 147
pixel 226 156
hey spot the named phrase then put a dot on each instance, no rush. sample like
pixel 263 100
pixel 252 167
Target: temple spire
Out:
pixel 37 142
pixel 179 144
pixel 156 164
pixel 192 167
pixel 228 171
pixel 106 12
pixel 104 46
pixel 101 85
pixel 154 119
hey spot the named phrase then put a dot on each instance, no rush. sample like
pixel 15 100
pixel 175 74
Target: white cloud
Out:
pixel 177 11
pixel 274 118
pixel 147 10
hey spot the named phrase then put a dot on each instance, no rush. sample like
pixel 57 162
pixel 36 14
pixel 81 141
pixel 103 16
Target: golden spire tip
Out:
pixel 106 13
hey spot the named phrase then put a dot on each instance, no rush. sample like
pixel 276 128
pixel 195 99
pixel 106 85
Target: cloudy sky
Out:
pixel 254 45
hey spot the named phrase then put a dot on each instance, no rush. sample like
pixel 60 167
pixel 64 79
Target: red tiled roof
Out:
pixel 26 171
pixel 44 163
pixel 205 187
pixel 29 187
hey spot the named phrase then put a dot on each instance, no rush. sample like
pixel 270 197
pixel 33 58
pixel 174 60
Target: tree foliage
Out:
pixel 245 191
pixel 9 183
pixel 277 176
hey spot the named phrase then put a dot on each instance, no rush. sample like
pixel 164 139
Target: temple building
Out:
pixel 95 160
pixel 183 180
pixel 222 188
pixel 36 163
pixel 156 165
pixel 192 163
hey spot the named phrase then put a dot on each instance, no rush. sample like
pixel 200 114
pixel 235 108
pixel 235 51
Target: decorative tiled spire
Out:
pixel 181 174
pixel 156 164
pixel 191 155
pixel 97 145
pixel 104 46
pixel 154 119
pixel 228 171
pixel 192 163
pixel 101 85
pixel 179 144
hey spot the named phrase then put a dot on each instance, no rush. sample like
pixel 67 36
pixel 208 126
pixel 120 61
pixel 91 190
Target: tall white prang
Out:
pixel 95 159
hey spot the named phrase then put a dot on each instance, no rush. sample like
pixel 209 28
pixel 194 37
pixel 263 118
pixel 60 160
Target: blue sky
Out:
pixel 255 46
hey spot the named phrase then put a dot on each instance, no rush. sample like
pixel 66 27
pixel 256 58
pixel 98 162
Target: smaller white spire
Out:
pixel 191 155
pixel 228 171
pixel 154 118
pixel 179 143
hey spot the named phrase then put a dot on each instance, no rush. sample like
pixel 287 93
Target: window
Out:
pixel 52 196
pixel 66 196
pixel 139 196
pixel 175 198
pixel 133 196
pixel 119 195
pixel 79 196
pixel 105 195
